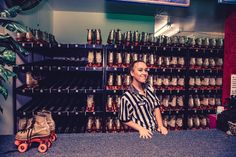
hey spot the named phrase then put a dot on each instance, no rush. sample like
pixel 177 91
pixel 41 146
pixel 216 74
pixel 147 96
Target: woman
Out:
pixel 139 108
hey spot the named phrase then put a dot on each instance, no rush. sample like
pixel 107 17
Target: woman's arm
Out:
pixel 143 132
pixel 161 128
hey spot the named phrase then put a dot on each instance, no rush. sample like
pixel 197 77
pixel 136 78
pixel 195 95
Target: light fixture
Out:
pixel 162 30
pixel 172 31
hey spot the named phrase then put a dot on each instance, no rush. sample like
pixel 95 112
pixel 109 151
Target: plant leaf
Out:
pixel 9 57
pixel 5 73
pixel 4 92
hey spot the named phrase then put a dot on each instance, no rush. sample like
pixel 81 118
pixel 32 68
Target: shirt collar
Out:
pixel 132 89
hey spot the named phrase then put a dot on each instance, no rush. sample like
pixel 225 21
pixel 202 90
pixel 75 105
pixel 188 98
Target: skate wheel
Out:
pixel 17 143
pixel 22 147
pixel 54 137
pixel 49 144
pixel 42 148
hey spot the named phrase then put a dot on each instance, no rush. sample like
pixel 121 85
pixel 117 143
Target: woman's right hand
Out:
pixel 145 133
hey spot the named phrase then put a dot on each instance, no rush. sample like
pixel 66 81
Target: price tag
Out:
pixel 41 68
pixel 59 113
pixel 179 49
pixel 76 90
pixel 23 44
pixel 115 46
pixel 77 68
pixel 59 90
pixel 41 91
pixel 94 46
pixel 132 47
pixel 115 69
pixel 58 68
pixel 93 113
pixel 59 45
pixel 76 45
pixel 23 68
pixel 94 91
pixel 148 47
pixel 41 45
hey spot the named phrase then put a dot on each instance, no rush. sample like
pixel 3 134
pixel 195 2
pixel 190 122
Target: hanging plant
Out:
pixel 8 50
pixel 8 46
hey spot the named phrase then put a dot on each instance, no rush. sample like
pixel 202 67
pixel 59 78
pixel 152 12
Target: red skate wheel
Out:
pixel 54 137
pixel 42 148
pixel 49 144
pixel 17 142
pixel 22 147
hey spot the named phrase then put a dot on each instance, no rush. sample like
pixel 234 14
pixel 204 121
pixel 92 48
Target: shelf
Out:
pixel 202 111
pixel 206 52
pixel 24 90
pixel 151 69
pixel 206 71
pixel 57 65
pixel 32 45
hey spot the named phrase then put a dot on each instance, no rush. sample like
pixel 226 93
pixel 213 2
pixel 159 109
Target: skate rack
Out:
pixel 66 99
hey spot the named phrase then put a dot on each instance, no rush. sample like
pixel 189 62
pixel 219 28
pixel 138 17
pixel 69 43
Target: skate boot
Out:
pixel 38 132
pixel 24 123
pixel 50 122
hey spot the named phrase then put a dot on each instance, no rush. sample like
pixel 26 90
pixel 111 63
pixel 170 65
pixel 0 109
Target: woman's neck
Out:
pixel 137 85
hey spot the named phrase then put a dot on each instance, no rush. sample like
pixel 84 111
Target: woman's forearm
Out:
pixel 134 125
pixel 158 117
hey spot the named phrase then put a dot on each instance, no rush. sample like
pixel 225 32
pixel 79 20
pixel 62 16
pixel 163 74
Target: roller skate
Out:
pixel 38 132
pixel 24 123
pixel 51 124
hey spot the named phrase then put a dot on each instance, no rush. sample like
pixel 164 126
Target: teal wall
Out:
pixel 71 27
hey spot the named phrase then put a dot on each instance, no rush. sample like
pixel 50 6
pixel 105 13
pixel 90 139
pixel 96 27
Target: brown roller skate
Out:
pixel 38 132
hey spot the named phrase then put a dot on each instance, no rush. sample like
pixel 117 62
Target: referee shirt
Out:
pixel 138 108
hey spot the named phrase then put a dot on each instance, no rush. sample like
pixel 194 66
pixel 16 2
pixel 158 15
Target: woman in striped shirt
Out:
pixel 139 108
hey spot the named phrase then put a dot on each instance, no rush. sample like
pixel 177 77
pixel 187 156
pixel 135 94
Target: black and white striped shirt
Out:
pixel 138 108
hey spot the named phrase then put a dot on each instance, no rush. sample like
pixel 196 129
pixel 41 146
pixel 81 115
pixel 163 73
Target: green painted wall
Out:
pixel 71 27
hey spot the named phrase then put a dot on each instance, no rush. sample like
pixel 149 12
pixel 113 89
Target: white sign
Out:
pixel 233 84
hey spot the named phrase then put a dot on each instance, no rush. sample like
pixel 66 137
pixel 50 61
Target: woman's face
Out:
pixel 140 72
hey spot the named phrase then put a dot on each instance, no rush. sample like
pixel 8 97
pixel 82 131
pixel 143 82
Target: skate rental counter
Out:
pixel 190 143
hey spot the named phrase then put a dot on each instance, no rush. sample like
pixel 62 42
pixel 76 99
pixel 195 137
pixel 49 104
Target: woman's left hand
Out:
pixel 162 130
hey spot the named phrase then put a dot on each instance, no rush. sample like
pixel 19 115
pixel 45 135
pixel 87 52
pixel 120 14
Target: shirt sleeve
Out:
pixel 125 110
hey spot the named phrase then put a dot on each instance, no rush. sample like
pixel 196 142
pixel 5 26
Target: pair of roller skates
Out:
pixel 39 129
